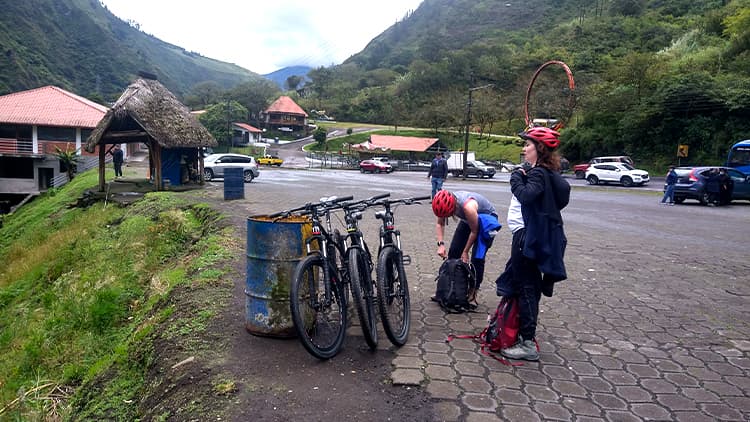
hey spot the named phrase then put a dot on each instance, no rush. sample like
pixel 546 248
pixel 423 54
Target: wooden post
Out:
pixel 157 165
pixel 102 181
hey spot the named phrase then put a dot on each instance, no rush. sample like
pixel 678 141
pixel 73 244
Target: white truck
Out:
pixel 473 167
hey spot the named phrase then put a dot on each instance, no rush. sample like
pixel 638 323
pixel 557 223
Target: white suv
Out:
pixel 616 173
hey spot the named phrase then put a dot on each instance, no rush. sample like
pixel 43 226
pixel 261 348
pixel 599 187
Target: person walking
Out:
pixel 538 246
pixel 671 180
pixel 713 187
pixel 474 233
pixel 726 186
pixel 438 172
pixel 117 160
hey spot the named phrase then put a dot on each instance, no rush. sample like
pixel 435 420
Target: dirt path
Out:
pixel 277 380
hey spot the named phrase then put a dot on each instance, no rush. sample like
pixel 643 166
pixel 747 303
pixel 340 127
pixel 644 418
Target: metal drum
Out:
pixel 234 183
pixel 273 250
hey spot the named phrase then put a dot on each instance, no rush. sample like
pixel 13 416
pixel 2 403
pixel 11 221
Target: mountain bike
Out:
pixel 360 265
pixel 392 286
pixel 317 293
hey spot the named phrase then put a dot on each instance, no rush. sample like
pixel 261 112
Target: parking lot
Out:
pixel 651 325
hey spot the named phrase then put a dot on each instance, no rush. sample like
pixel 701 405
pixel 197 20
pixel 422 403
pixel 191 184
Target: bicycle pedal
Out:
pixel 406 259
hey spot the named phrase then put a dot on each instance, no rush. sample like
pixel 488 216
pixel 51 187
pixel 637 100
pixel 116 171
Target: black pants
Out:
pixel 457 247
pixel 527 283
pixel 118 169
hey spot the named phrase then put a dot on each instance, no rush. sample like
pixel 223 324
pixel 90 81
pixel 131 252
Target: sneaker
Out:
pixel 671 204
pixel 524 349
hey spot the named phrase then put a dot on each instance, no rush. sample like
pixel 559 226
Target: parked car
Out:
pixel 214 165
pixel 580 169
pixel 270 160
pixel 614 172
pixel 479 169
pixel 375 166
pixel 691 184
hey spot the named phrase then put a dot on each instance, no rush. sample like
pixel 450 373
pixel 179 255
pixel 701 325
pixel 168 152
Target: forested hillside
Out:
pixel 650 74
pixel 80 46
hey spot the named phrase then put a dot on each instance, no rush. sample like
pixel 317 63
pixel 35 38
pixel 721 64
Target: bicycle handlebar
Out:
pixel 405 201
pixel 328 202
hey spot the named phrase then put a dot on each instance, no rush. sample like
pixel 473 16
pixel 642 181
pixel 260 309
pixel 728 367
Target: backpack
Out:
pixel 501 332
pixel 454 281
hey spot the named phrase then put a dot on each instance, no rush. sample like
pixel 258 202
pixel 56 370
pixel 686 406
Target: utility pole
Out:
pixel 229 126
pixel 468 124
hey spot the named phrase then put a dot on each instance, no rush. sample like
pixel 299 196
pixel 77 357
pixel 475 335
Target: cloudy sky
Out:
pixel 264 36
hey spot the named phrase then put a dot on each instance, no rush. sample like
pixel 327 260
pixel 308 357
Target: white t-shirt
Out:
pixel 515 218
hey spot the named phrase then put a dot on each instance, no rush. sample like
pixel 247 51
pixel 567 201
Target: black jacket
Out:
pixel 438 168
pixel 542 194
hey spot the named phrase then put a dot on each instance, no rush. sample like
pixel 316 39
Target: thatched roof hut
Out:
pixel 147 112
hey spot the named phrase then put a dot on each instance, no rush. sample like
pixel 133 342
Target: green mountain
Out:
pixel 81 46
pixel 649 74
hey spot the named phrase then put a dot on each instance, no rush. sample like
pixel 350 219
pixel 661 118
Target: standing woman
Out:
pixel 539 194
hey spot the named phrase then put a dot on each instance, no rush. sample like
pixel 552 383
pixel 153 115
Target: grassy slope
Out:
pixel 498 148
pixel 82 291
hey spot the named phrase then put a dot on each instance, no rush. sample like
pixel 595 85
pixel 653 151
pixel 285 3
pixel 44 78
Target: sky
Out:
pixel 265 36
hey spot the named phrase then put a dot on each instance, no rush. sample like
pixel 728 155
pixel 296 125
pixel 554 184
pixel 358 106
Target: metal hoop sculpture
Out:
pixel 571 85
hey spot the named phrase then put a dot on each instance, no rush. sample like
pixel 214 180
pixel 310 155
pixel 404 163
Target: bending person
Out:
pixel 477 226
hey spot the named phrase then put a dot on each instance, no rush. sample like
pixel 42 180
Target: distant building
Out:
pixel 33 124
pixel 243 134
pixel 285 115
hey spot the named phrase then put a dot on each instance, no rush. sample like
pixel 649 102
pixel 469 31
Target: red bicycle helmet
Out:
pixel 542 134
pixel 443 204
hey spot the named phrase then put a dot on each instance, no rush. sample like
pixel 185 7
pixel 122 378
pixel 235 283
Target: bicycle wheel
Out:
pixel 320 326
pixel 364 300
pixel 393 296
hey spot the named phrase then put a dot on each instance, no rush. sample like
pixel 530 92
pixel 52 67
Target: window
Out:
pixel 47 133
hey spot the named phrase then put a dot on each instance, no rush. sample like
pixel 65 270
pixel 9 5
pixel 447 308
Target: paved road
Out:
pixel 652 323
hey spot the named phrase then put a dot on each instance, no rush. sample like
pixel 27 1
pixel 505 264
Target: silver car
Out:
pixel 215 164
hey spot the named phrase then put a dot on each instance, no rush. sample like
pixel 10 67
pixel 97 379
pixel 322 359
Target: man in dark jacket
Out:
pixel 438 172
pixel 713 187
pixel 117 160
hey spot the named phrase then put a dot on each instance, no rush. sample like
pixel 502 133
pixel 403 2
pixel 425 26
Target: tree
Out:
pixel 68 160
pixel 204 94
pixel 255 96
pixel 320 136
pixel 219 117
pixel 293 81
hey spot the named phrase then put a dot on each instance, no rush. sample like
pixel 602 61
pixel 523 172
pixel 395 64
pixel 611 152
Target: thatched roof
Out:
pixel 147 109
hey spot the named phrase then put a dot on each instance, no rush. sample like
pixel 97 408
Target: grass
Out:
pixel 495 147
pixel 82 291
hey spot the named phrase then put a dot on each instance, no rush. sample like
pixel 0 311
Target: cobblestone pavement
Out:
pixel 652 323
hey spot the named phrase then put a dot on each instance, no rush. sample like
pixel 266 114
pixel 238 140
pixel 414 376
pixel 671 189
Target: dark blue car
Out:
pixel 691 184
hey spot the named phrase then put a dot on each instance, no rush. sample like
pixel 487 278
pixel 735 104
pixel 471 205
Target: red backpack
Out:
pixel 501 332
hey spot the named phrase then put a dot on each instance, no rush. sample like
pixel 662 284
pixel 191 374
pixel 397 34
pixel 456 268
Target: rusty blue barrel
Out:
pixel 274 247
pixel 234 183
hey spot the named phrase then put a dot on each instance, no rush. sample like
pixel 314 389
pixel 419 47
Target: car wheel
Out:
pixel 626 181
pixel 208 174
pixel 361 169
pixel 704 198
pixel 248 176
pixel 580 174
pixel 593 180
pixel 456 173
pixel 376 171
pixel 480 174
pixel 679 199
pixel 491 176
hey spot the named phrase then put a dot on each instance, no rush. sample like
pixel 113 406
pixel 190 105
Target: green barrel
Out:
pixel 273 250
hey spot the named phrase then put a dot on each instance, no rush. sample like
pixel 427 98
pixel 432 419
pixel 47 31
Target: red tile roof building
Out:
pixel 33 125
pixel 285 115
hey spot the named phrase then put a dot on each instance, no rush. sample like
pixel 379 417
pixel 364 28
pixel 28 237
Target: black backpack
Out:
pixel 454 281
